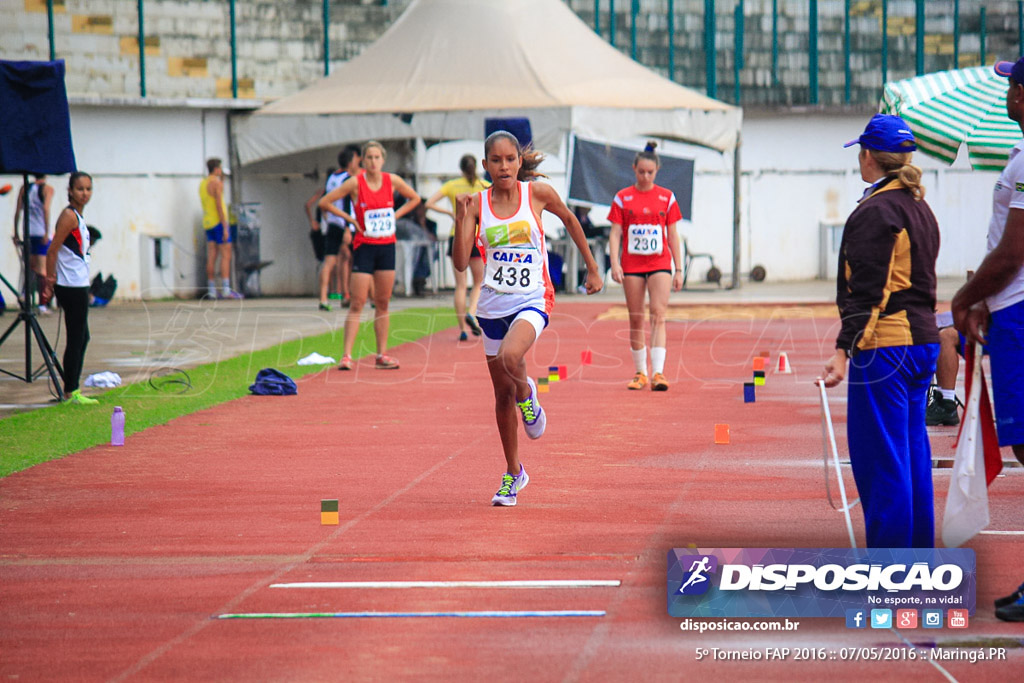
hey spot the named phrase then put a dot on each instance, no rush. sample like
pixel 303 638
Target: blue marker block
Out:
pixel 748 392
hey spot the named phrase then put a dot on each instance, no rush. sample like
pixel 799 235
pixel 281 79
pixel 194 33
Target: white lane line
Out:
pixel 996 532
pixel 393 615
pixel 948 676
pixel 559 583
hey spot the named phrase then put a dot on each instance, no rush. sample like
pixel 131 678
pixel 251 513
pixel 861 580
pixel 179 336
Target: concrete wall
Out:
pixel 188 43
pixel 280 43
pixel 148 161
pixel 788 190
pixel 147 155
pixel 789 83
pixel 146 164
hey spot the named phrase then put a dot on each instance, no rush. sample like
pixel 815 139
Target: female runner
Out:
pixel 643 218
pixel 517 296
pixel 373 246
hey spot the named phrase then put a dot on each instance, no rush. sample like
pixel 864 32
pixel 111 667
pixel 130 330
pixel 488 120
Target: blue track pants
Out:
pixel 889 449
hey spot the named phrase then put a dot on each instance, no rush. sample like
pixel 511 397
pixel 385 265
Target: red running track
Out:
pixel 115 560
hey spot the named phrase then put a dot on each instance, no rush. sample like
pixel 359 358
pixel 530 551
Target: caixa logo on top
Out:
pixel 816 582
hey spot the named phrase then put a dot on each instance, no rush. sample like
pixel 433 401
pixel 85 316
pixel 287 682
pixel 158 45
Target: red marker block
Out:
pixel 586 357
pixel 721 433
pixel 563 372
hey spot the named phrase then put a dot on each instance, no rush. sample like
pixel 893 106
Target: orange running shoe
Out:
pixel 658 382
pixel 639 381
pixel 386 363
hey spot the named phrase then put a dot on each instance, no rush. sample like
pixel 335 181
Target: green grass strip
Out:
pixel 37 436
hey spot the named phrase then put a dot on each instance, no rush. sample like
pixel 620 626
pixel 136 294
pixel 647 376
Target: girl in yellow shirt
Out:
pixel 468 183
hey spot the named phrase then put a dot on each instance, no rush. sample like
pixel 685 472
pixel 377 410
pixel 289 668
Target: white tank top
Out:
pixel 515 259
pixel 334 181
pixel 36 222
pixel 73 257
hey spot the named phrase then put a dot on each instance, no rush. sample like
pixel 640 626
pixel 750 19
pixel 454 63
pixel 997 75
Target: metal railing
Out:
pixel 892 38
pixel 867 42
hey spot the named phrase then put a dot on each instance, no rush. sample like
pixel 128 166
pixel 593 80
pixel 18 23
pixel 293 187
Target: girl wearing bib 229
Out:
pixel 373 245
pixel 643 218
pixel 517 296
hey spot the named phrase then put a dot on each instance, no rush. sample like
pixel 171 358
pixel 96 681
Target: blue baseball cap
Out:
pixel 886 133
pixel 1014 70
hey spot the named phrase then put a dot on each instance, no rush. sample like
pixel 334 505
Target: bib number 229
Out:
pixel 380 223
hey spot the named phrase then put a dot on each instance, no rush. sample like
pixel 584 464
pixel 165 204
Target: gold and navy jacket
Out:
pixel 886 285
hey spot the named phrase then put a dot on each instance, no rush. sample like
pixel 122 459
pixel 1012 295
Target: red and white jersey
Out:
pixel 645 217
pixel 515 259
pixel 73 257
pixel 375 211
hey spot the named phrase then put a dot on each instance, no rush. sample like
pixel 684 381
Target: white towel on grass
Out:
pixel 103 380
pixel 316 359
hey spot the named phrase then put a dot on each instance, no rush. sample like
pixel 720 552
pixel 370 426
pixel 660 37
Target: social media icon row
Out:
pixel 905 618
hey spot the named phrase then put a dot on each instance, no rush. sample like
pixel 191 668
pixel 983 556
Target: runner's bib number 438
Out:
pixel 644 239
pixel 513 271
pixel 379 223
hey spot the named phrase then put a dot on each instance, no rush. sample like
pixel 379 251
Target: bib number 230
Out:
pixel 644 239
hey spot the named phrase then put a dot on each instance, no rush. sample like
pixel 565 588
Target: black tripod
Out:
pixel 27 315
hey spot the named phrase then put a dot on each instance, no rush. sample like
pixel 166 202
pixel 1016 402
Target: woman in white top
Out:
pixel 517 297
pixel 67 276
pixel 40 195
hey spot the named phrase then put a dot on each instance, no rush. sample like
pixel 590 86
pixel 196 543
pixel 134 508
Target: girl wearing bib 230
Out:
pixel 643 218
pixel 373 245
pixel 517 296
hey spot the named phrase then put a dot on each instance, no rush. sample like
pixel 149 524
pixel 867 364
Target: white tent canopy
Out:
pixel 446 65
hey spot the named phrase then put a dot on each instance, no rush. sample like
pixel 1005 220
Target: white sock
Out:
pixel 948 394
pixel 227 286
pixel 640 359
pixel 211 287
pixel 658 359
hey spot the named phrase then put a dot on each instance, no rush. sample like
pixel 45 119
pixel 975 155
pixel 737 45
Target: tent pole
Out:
pixel 736 214
pixel 141 38
pixel 49 29
pixel 236 164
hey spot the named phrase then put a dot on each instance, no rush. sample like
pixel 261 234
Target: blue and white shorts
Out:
pixel 495 329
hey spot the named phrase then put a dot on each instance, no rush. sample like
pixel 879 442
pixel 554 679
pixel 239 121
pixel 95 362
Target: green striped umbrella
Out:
pixel 949 108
